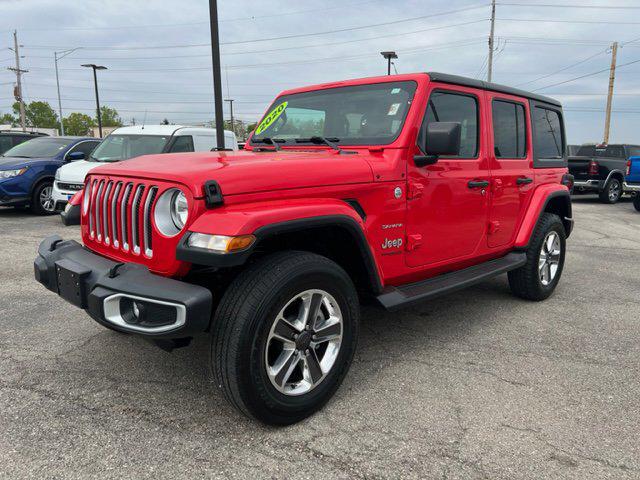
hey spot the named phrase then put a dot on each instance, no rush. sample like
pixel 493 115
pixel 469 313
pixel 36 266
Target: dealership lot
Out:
pixel 474 385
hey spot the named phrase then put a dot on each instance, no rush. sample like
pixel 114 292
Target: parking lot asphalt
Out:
pixel 474 385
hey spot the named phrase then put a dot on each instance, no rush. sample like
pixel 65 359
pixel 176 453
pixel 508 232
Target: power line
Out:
pixel 606 7
pixel 545 20
pixel 600 52
pixel 586 75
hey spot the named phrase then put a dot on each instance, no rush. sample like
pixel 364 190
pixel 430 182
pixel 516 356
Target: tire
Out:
pixel 612 191
pixel 533 281
pixel 636 202
pixel 245 353
pixel 41 201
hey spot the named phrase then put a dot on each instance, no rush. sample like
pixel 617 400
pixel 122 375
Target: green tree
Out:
pixel 164 122
pixel 110 117
pixel 38 114
pixel 78 124
pixel 251 127
pixel 7 119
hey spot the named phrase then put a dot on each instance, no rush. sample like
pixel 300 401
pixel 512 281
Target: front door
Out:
pixel 447 209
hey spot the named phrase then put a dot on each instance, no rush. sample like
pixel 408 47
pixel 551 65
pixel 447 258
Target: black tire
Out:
pixel 636 202
pixel 242 325
pixel 36 205
pixel 612 191
pixel 525 282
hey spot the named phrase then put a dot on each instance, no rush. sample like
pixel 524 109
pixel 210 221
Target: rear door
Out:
pixel 511 164
pixel 447 201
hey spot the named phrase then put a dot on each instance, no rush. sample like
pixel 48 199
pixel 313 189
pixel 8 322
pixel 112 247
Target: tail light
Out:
pixel 593 167
pixel 628 171
pixel 567 181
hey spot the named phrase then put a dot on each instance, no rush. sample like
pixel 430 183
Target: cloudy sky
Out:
pixel 158 53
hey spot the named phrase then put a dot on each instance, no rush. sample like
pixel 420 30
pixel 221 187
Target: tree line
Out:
pixel 41 115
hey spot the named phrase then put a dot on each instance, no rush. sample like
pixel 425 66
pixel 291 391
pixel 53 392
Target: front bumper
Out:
pixel 104 288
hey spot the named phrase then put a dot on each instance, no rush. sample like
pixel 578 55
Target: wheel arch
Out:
pixel 37 181
pixel 552 199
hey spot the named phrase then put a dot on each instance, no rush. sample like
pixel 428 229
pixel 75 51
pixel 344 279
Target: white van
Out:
pixel 129 142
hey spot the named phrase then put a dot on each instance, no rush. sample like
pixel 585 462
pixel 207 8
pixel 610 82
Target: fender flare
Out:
pixel 39 180
pixel 602 185
pixel 537 206
pixel 265 220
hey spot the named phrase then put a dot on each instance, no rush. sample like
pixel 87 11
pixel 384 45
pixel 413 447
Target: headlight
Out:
pixel 179 209
pixel 220 243
pixel 12 173
pixel 171 212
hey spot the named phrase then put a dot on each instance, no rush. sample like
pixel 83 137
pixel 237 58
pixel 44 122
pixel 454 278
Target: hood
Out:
pixel 13 163
pixel 75 172
pixel 247 171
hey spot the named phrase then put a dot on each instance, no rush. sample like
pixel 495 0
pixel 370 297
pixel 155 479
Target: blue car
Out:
pixel 632 180
pixel 27 170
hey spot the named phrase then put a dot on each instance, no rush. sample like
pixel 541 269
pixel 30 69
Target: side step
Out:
pixel 394 298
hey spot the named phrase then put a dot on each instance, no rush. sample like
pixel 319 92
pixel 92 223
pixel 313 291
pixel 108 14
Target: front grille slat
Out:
pixel 148 203
pixel 114 215
pixel 98 200
pixel 105 213
pixel 124 220
pixel 135 219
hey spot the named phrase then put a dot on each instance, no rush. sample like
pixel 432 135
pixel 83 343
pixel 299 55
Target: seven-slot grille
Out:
pixel 119 214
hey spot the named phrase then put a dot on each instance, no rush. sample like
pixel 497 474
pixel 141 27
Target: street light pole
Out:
pixel 58 56
pixel 95 67
pixel 217 78
pixel 389 56
pixel 230 100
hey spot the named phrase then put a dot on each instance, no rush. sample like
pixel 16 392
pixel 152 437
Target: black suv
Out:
pixel 11 138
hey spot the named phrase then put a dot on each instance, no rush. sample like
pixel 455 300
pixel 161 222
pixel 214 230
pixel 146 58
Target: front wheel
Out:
pixel 537 279
pixel 284 335
pixel 42 199
pixel 612 191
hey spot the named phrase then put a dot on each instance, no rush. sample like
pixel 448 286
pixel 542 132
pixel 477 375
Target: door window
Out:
pixel 454 107
pixel 84 147
pixel 509 129
pixel 183 143
pixel 547 139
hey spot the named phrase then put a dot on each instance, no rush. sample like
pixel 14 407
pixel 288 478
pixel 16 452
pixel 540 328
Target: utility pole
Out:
pixel 57 56
pixel 217 79
pixel 493 24
pixel 612 77
pixel 95 67
pixel 17 93
pixel 230 100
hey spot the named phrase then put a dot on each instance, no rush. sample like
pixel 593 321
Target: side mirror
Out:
pixel 73 156
pixel 442 138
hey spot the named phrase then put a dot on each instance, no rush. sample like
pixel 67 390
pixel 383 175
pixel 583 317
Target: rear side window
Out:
pixel 509 129
pixel 5 143
pixel 547 138
pixel 454 107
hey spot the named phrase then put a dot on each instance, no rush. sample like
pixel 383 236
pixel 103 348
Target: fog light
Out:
pixel 220 243
pixel 132 311
pixel 143 314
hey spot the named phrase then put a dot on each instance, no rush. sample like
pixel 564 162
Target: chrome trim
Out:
pixel 114 215
pixel 631 187
pixel 135 207
pixel 97 210
pixel 112 314
pixel 146 225
pixel 124 231
pixel 105 215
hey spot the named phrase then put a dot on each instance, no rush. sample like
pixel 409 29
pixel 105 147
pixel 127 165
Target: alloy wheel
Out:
pixel 614 190
pixel 46 198
pixel 304 342
pixel 549 258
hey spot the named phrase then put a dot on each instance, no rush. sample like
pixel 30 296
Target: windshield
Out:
pixel 360 115
pixel 38 147
pixel 122 147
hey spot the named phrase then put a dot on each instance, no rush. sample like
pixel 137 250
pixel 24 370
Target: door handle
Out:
pixel 524 180
pixel 478 184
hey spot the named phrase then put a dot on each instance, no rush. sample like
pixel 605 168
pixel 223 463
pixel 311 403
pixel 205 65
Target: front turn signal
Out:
pixel 220 243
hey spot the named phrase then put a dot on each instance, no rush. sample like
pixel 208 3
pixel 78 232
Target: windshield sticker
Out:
pixel 394 91
pixel 393 109
pixel 271 117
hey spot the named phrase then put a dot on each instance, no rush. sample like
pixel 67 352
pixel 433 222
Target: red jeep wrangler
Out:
pixel 397 188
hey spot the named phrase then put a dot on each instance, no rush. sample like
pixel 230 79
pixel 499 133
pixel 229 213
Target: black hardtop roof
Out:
pixel 494 87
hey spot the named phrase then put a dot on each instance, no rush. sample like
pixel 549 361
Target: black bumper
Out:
pixel 71 216
pixel 86 280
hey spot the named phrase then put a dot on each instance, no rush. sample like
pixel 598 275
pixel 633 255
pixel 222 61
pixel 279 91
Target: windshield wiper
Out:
pixel 271 141
pixel 318 140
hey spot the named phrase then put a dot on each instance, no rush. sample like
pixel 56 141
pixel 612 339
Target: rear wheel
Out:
pixel 42 199
pixel 612 191
pixel 284 336
pixel 636 201
pixel 537 279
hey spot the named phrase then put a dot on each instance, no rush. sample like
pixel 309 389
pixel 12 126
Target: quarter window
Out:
pixel 454 107
pixel 509 130
pixel 182 143
pixel 547 139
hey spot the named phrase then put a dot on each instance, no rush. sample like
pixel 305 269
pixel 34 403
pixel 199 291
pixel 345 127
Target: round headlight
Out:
pixel 179 209
pixel 171 212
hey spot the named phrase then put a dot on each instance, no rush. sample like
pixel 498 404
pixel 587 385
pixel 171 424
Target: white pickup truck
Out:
pixel 128 142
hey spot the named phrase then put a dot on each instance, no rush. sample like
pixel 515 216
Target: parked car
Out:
pixel 27 170
pixel 632 180
pixel 128 142
pixel 11 138
pixel 389 187
pixel 601 169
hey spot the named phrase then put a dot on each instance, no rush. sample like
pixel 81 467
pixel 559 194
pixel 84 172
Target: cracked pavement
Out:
pixel 474 385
